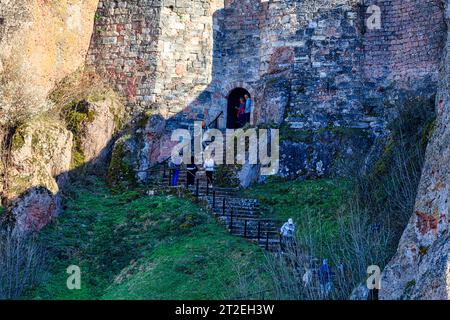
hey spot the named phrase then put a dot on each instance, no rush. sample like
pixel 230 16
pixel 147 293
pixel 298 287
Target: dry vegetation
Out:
pixel 21 263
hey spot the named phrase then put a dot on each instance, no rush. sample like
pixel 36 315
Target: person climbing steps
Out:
pixel 209 166
pixel 287 232
pixel 175 165
pixel 191 172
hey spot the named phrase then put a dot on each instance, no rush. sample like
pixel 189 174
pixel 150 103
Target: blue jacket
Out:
pixel 248 106
pixel 324 273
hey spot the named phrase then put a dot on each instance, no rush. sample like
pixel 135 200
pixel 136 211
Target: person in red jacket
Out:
pixel 241 112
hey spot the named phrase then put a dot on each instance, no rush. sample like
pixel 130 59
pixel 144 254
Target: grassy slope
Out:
pixel 313 204
pixel 131 246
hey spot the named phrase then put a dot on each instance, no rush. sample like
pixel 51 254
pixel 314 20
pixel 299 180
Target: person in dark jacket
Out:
pixel 191 172
pixel 325 278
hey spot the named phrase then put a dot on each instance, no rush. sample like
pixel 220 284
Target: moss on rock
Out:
pixel 121 174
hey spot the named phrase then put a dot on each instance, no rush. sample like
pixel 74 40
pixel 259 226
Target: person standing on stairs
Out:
pixel 209 169
pixel 191 172
pixel 248 108
pixel 287 234
pixel 175 165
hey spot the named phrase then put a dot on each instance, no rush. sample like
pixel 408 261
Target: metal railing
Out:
pixel 265 227
pixel 215 121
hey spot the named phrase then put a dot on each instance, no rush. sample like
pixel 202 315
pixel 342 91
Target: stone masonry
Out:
pixel 323 76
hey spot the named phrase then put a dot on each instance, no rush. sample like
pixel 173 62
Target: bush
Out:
pixel 21 263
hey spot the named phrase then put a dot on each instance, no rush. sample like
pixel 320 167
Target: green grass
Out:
pixel 132 246
pixel 314 205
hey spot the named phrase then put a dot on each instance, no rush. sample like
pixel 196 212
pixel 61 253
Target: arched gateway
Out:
pixel 232 107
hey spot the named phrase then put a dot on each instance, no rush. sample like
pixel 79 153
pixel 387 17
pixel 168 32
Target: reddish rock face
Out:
pixel 426 223
pixel 35 209
pixel 281 59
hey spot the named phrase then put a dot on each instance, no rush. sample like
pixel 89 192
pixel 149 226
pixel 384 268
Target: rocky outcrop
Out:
pixel 41 42
pixel 421 267
pixel 137 150
pixel 40 158
pixel 94 124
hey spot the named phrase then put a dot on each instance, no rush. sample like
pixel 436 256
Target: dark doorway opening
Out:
pixel 233 105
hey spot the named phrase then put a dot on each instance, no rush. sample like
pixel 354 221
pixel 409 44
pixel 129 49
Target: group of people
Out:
pixel 176 164
pixel 325 276
pixel 324 273
pixel 244 110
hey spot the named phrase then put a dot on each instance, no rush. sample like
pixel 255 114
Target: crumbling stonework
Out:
pixel 421 267
pixel 124 48
pixel 158 54
pixel 408 47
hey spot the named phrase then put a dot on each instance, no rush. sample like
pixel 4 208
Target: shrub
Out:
pixel 21 263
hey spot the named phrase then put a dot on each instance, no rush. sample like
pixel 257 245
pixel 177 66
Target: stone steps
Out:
pixel 242 216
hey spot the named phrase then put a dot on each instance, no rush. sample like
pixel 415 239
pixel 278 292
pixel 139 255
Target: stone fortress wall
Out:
pixel 180 59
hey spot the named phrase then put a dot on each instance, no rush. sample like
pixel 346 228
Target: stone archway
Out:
pixel 233 101
pixel 232 92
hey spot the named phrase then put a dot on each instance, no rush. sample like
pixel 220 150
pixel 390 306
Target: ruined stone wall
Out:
pixel 314 70
pixel 327 88
pixel 124 49
pixel 158 53
pixel 408 47
pixel 186 53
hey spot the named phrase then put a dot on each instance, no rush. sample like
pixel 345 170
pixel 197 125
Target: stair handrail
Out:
pixel 215 119
pixel 261 234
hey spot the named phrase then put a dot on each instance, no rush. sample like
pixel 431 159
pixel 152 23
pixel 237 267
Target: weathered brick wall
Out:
pixel 236 52
pixel 408 48
pixel 327 88
pixel 158 53
pixel 124 48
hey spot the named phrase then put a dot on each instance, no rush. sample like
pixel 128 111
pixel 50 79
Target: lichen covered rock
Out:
pixel 93 124
pixel 122 168
pixel 40 159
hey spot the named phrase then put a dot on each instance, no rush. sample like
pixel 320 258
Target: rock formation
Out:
pixel 44 41
pixel 41 44
pixel 421 267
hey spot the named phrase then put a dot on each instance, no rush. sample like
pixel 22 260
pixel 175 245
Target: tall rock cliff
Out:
pixel 421 267
pixel 41 42
pixel 43 47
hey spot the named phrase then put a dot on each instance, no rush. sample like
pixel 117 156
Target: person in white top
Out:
pixel 209 168
pixel 287 233
pixel 288 229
